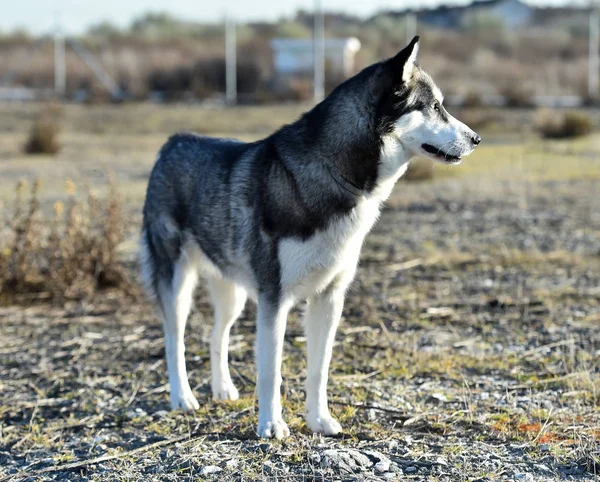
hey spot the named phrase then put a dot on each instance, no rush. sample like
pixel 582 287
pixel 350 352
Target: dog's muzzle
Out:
pixel 441 155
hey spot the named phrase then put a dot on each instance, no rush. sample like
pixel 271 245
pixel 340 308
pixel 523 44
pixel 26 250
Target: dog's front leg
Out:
pixel 271 321
pixel 321 319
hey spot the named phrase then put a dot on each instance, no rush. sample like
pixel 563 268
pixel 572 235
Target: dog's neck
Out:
pixel 393 163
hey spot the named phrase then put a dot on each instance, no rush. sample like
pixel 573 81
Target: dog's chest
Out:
pixel 309 266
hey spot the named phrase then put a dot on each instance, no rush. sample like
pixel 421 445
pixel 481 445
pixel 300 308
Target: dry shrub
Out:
pixel 204 79
pixel 43 137
pixel 473 98
pixel 517 96
pixel 553 124
pixel 70 256
pixel 420 169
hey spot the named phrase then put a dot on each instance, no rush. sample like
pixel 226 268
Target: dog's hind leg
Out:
pixel 176 301
pixel 228 301
pixel 321 320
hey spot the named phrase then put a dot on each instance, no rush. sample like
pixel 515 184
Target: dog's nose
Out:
pixel 476 139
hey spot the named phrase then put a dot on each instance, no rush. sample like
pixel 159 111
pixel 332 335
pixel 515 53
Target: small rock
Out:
pixel 437 398
pixel 210 469
pixel 345 460
pixel 523 476
pixel 545 448
pixel 161 414
pixel 232 463
pixel 393 445
pixel 390 476
pixel 264 448
pixel 101 438
pixel 360 459
pixel 410 421
pixel 410 470
pixel 441 461
pixel 268 467
pixel 382 466
pixel 315 458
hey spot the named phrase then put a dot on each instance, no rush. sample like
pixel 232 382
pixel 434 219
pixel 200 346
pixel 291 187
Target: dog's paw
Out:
pixel 326 425
pixel 273 429
pixel 186 402
pixel 225 391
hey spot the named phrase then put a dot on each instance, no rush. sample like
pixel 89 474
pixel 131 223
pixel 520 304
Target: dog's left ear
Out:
pixel 404 61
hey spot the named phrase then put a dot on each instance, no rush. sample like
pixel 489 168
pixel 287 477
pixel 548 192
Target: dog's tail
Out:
pixel 160 248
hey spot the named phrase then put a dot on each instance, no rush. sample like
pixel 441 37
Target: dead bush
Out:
pixel 70 256
pixel 553 124
pixel 517 96
pixel 420 169
pixel 473 98
pixel 43 137
pixel 204 79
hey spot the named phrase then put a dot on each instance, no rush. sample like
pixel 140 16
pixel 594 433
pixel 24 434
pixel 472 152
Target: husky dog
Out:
pixel 282 220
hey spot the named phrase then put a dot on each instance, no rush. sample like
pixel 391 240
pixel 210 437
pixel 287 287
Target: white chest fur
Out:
pixel 309 266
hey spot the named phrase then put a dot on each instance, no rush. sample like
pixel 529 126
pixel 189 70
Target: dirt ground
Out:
pixel 469 348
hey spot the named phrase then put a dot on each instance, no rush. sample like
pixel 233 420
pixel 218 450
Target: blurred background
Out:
pixel 470 344
pixel 501 52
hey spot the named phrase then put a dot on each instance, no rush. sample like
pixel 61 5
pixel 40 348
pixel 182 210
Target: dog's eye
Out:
pixel 436 107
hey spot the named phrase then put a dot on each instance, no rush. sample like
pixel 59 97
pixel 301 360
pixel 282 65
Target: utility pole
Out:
pixel 230 61
pixel 60 69
pixel 411 26
pixel 594 61
pixel 319 52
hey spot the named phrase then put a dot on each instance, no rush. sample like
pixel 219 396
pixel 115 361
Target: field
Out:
pixel 469 348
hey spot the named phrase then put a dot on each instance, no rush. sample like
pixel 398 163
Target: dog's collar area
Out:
pixel 439 153
pixel 344 183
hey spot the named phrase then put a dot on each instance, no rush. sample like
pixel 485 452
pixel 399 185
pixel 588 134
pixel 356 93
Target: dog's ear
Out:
pixel 403 64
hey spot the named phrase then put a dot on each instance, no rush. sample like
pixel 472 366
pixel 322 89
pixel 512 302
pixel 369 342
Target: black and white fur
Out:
pixel 282 220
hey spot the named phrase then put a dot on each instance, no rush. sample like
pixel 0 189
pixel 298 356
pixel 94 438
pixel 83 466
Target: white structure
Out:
pixel 293 56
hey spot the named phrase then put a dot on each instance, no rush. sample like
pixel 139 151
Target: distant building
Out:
pixel 294 57
pixel 510 13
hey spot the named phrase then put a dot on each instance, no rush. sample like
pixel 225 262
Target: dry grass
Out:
pixel 67 257
pixel 43 137
pixel 553 124
pixel 468 349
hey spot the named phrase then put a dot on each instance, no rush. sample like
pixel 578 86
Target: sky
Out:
pixel 40 16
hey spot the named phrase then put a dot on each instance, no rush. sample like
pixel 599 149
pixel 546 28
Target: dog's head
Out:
pixel 416 114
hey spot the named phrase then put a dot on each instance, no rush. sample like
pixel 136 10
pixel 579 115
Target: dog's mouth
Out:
pixel 440 155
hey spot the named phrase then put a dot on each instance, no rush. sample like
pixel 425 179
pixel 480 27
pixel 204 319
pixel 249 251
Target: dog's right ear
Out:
pixel 403 64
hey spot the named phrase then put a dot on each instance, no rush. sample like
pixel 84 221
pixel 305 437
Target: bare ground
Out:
pixel 469 350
